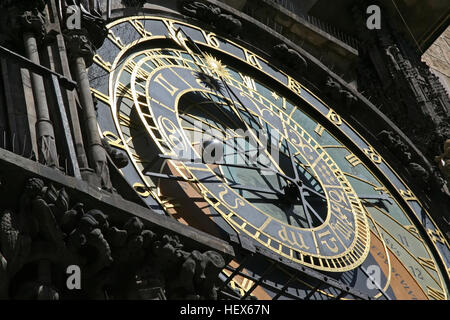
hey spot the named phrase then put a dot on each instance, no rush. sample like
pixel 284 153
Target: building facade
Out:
pixel 233 150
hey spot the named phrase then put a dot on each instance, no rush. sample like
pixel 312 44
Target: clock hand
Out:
pixel 199 51
pixel 256 189
pixel 313 191
pixel 312 209
pixel 294 166
pixel 233 146
pixel 290 215
pixel 381 197
pixel 225 84
pixel 234 186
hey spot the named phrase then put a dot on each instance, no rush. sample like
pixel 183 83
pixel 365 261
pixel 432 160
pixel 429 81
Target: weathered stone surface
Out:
pixel 134 3
pixel 394 77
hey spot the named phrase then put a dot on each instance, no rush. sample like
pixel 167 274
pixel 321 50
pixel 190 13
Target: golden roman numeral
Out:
pixel 118 42
pixel 101 96
pixel 353 160
pixel 177 37
pixel 124 120
pixel 166 84
pixel 140 28
pixel 141 73
pixel 427 263
pixel 169 203
pixel 102 63
pixel 436 235
pixel 319 129
pixel 124 91
pixel 435 293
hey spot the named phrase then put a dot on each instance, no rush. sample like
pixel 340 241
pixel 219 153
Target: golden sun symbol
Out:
pixel 216 66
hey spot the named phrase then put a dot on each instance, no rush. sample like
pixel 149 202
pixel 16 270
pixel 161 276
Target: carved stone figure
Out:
pixel 91 20
pixel 420 175
pixel 79 45
pixel 48 233
pixel 337 93
pixel 290 57
pixel 404 88
pixel 213 15
pixel 118 157
pixel 202 11
pixel 443 160
pixel 33 21
pixel 394 143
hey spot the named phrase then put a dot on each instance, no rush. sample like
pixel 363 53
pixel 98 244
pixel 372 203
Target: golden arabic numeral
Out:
pixel 115 141
pixel 334 117
pixel 373 155
pixel 211 39
pixel 252 59
pixel 142 190
pixel 294 85
pixel 326 242
pixel 407 195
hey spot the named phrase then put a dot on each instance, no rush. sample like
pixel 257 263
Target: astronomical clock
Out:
pixel 221 139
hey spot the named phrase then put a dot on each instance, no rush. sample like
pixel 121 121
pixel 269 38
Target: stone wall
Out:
pixel 437 57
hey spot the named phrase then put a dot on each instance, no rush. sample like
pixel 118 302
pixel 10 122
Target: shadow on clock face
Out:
pixel 234 140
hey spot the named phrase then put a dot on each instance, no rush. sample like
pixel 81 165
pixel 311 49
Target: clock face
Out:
pixel 222 140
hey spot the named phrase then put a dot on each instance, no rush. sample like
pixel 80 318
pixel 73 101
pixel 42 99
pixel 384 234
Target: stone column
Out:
pixel 59 63
pixel 81 52
pixel 33 28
